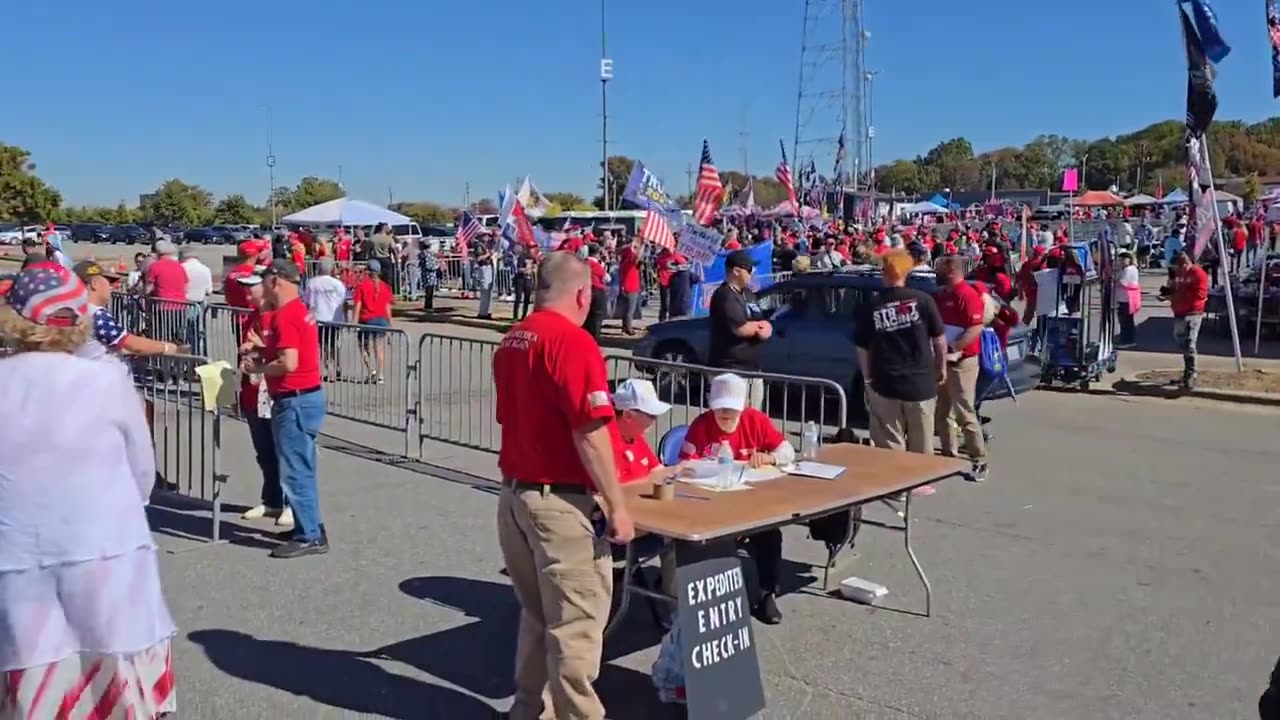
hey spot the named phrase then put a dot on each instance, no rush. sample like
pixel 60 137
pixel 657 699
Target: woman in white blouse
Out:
pixel 83 623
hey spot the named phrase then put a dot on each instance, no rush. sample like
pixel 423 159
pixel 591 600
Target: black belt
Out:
pixel 295 393
pixel 548 488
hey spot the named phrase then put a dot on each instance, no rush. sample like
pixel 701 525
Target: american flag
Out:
pixel 710 191
pixel 44 289
pixel 468 228
pixel 783 173
pixel 656 230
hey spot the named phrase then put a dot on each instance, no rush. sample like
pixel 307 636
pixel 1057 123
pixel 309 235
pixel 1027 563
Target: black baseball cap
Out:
pixel 283 269
pixel 739 259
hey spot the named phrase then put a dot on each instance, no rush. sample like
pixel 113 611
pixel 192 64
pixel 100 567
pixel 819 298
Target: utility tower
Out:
pixel 829 99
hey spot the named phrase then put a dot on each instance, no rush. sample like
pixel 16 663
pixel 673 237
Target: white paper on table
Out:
pixel 808 468
pixel 710 484
pixel 762 474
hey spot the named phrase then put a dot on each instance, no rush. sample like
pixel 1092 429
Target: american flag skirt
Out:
pixel 91 686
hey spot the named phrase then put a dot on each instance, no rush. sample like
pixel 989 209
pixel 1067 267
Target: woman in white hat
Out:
pixel 638 406
pixel 753 439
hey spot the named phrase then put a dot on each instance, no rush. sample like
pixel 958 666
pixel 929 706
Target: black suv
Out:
pixel 129 235
pixel 90 232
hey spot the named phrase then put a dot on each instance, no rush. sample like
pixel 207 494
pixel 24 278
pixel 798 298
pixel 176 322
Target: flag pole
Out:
pixel 1222 253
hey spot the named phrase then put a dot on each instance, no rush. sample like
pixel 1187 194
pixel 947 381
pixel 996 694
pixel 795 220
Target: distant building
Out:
pixel 145 198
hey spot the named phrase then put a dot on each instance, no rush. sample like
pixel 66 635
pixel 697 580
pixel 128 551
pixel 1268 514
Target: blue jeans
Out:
pixel 295 422
pixel 264 450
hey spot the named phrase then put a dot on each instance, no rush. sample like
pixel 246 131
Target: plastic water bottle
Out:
pixel 724 461
pixel 809 441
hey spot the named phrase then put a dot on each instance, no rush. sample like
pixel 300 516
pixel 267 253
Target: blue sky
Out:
pixel 425 96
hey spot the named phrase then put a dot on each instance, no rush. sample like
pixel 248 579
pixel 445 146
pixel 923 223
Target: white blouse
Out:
pixel 78 570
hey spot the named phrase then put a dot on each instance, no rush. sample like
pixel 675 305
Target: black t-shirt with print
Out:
pixel 729 310
pixel 897 329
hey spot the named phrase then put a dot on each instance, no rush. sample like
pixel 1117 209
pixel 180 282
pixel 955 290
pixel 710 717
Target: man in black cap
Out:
pixel 738 327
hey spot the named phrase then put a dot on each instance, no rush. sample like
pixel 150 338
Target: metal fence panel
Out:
pixel 222 336
pixel 179 322
pixel 368 375
pixel 186 436
pixel 456 397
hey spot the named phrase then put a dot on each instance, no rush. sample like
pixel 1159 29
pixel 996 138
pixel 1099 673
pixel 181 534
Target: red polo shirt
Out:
pixel 597 273
pixel 258 321
pixel 960 305
pixel 293 327
pixel 1190 291
pixel 343 249
pixel 755 433
pixel 237 295
pixel 629 270
pixel 549 380
pixel 635 459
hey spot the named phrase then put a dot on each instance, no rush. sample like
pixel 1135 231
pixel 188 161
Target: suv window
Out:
pixel 842 301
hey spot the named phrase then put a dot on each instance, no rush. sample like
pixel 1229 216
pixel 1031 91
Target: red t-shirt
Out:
pixel 573 245
pixel 549 380
pixel 1239 238
pixel 1190 292
pixel 629 270
pixel 258 321
pixel 597 273
pixel 635 459
pixel 733 244
pixel 237 295
pixel 343 251
pixel 755 433
pixel 374 298
pixel 961 306
pixel 293 327
pixel 169 279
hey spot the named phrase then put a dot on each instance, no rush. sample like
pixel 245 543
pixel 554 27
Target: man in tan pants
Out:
pixel 554 408
pixel 961 307
pixel 901 351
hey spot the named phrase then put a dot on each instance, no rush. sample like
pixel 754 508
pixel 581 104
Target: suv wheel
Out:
pixel 675 385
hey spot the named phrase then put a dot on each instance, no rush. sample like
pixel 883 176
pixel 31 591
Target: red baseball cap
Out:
pixel 249 248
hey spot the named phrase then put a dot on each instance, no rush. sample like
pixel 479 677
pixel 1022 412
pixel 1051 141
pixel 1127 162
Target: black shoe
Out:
pixel 299 548
pixel 766 611
pixel 978 473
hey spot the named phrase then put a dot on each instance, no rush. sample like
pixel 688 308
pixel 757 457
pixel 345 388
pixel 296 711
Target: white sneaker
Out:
pixel 259 511
pixel 285 520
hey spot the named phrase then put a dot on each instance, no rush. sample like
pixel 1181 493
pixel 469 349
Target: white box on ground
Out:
pixel 863 591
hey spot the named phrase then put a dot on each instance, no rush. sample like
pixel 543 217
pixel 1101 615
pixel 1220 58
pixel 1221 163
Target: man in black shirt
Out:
pixel 738 327
pixel 902 351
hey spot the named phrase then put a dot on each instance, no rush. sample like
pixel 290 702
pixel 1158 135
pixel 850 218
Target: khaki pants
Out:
pixel 956 400
pixel 563 577
pixel 901 424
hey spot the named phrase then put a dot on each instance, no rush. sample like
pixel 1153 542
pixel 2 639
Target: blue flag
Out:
pixel 1206 20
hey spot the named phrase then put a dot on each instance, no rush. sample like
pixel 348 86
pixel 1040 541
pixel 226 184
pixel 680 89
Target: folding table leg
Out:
pixel 906 534
pixel 627 569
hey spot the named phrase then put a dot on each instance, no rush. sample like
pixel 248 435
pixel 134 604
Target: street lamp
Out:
pixel 606 74
pixel 869 78
pixel 271 171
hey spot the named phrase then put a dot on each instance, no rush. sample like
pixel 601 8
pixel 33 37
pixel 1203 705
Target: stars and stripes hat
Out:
pixel 48 294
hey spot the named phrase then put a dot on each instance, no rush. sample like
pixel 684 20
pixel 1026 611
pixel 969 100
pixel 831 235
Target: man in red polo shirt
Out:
pixel 961 308
pixel 1187 294
pixel 629 282
pixel 599 292
pixel 342 246
pixel 553 405
pixel 291 364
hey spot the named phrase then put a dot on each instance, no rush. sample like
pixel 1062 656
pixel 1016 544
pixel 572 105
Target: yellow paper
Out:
pixel 217 384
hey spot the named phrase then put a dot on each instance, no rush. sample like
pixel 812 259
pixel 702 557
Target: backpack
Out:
pixel 991 359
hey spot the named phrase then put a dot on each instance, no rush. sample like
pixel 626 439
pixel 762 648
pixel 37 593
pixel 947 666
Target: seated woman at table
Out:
pixel 638 406
pixel 754 440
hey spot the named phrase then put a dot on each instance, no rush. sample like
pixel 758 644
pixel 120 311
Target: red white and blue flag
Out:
pixel 783 173
pixel 710 191
pixel 656 230
pixel 468 228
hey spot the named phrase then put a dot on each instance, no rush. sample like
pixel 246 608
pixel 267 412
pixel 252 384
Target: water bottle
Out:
pixel 724 462
pixel 809 441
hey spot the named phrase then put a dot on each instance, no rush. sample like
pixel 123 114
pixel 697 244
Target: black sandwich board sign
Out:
pixel 721 669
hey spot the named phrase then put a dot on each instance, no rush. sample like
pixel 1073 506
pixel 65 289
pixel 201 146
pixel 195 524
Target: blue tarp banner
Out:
pixel 713 276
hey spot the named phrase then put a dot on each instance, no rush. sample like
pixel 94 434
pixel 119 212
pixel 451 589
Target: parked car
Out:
pixel 90 232
pixel 13 236
pixel 129 235
pixel 203 235
pixel 231 234
pixel 813 317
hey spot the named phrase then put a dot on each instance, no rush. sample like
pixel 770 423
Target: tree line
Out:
pixel 1136 162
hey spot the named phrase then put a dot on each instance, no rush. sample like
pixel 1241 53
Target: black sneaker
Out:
pixel 978 473
pixel 766 611
pixel 300 548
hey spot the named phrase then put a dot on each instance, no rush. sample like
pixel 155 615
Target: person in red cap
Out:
pixel 342 246
pixel 992 271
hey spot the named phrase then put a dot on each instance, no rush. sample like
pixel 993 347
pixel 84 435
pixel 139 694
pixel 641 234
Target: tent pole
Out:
pixel 1222 253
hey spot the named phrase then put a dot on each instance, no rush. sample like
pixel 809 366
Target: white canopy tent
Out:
pixel 923 208
pixel 345 211
pixel 1141 199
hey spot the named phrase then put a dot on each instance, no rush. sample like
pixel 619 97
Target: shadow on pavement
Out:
pixel 448 474
pixel 337 678
pixel 488 668
pixel 187 518
pixel 1155 335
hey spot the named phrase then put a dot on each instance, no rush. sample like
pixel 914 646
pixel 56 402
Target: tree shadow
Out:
pixel 488 669
pixel 336 678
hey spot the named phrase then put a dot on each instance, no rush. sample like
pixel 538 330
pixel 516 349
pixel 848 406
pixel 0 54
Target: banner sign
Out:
pixel 644 190
pixel 698 243
pixel 721 668
pixel 713 276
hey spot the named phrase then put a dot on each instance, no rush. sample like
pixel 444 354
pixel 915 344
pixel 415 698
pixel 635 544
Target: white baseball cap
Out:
pixel 728 392
pixel 639 395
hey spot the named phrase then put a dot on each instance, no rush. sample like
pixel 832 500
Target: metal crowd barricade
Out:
pixel 967 262
pixel 176 321
pixel 456 400
pixel 222 324
pixel 187 435
pixel 357 387
pixel 790 400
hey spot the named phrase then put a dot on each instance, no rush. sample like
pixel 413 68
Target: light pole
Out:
pixel 606 74
pixel 271 171
pixel 870 78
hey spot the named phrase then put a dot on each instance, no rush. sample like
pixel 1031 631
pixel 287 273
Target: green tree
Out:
pixel 426 213
pixel 121 214
pixel 620 167
pixel 234 210
pixel 902 176
pixel 176 202
pixel 24 197
pixel 567 201
pixel 1252 189
pixel 313 191
pixel 955 165
pixel 484 206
